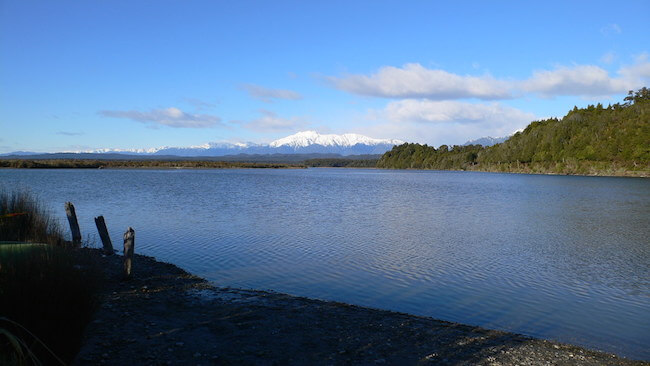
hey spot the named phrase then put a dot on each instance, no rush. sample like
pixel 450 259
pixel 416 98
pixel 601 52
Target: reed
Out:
pixel 48 292
pixel 24 219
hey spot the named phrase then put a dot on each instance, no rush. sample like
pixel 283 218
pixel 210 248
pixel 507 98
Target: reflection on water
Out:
pixel 557 257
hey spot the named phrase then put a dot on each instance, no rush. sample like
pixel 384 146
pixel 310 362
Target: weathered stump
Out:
pixel 103 234
pixel 74 224
pixel 129 246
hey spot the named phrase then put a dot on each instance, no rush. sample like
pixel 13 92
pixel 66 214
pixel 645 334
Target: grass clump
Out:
pixel 24 219
pixel 47 291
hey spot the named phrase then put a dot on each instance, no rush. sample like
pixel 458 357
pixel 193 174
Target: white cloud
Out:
pixel 172 117
pixel 271 122
pixel 587 80
pixel 639 72
pixel 451 111
pixel 415 81
pixel 577 80
pixel 267 95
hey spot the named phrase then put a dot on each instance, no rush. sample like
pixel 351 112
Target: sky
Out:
pixel 85 75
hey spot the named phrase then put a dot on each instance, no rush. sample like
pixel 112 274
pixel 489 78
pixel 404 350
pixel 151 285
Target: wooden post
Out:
pixel 129 246
pixel 103 234
pixel 74 224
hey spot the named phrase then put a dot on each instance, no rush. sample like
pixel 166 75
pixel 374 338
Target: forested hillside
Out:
pixel 612 140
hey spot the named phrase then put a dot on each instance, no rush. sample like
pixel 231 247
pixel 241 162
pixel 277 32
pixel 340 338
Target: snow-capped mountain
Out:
pixel 305 142
pixel 487 141
pixel 209 149
pixel 307 138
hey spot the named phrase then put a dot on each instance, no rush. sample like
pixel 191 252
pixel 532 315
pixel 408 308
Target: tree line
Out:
pixel 154 164
pixel 612 140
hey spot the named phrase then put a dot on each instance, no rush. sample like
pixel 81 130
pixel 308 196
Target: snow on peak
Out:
pixel 135 151
pixel 307 138
pixel 311 140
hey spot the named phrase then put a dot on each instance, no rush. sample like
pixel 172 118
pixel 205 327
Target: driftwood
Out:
pixel 103 234
pixel 74 224
pixel 129 246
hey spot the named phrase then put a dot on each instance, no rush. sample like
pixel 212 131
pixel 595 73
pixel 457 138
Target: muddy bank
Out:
pixel 166 316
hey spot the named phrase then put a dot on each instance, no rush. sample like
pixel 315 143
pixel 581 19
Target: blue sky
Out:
pixel 140 74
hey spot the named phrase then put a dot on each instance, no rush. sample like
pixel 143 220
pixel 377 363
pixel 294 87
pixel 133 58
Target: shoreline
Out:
pixel 165 315
pixel 625 174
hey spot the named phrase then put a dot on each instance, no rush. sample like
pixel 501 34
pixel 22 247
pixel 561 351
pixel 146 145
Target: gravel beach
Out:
pixel 166 316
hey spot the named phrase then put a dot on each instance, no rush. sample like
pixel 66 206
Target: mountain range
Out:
pixel 301 143
pixel 305 142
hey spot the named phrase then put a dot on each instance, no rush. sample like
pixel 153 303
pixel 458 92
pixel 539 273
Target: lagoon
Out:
pixel 557 257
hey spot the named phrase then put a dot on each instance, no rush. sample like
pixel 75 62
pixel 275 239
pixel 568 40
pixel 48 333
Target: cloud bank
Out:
pixel 415 81
pixel 172 117
pixel 581 80
pixel 427 111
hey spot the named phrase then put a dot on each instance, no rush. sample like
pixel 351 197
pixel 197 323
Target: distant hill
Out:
pixel 592 141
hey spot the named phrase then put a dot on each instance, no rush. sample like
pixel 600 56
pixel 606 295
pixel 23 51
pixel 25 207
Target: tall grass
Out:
pixel 47 292
pixel 24 219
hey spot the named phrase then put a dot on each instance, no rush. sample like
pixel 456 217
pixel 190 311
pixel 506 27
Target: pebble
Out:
pixel 346 349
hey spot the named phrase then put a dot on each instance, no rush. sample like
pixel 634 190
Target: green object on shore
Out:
pixel 48 292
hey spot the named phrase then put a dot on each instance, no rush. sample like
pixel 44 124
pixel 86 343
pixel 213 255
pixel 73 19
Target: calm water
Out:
pixel 565 258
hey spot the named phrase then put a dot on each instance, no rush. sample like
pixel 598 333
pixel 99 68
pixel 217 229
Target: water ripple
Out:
pixel 563 258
